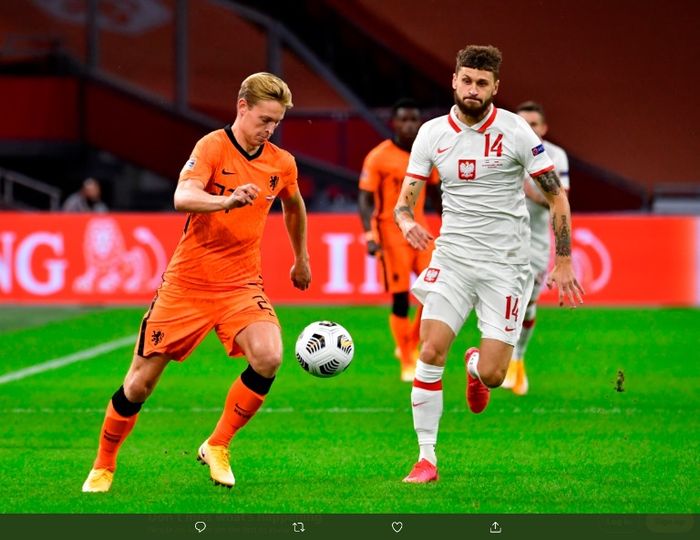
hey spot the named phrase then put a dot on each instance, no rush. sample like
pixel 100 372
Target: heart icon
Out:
pixel 397 526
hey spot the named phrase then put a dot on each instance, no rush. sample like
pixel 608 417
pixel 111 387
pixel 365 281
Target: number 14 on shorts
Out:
pixel 512 310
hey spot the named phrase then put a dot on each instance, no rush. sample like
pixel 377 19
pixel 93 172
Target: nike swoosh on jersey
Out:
pixel 443 150
pixel 224 171
pixel 509 329
pixel 419 403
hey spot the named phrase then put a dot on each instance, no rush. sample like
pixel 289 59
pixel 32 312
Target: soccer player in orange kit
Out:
pixel 213 280
pixel 380 183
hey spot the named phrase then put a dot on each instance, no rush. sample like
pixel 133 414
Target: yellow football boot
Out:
pixel 521 385
pixel 511 374
pixel 98 481
pixel 217 457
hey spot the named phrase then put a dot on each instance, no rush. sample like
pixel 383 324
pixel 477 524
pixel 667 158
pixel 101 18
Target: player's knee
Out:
pixel 266 362
pixel 137 389
pixel 430 354
pixel 492 377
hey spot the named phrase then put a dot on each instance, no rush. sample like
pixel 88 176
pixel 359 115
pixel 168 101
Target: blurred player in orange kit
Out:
pixel 213 280
pixel 380 183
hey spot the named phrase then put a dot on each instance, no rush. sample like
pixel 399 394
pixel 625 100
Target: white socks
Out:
pixel 471 365
pixel 523 339
pixel 427 451
pixel 426 402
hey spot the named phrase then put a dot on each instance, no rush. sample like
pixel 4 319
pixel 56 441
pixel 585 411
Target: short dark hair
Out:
pixel 530 106
pixel 484 57
pixel 404 103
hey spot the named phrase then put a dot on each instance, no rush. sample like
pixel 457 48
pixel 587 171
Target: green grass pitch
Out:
pixel 572 445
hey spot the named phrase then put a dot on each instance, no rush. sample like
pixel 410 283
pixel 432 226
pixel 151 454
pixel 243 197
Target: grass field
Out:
pixel 572 445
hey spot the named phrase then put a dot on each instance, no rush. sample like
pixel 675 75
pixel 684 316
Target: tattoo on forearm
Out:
pixel 401 209
pixel 549 182
pixel 562 236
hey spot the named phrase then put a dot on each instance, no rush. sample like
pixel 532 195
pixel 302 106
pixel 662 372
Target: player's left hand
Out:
pixel 563 275
pixel 416 235
pixel 301 274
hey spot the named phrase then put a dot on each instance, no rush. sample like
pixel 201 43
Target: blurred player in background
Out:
pixel 87 199
pixel 537 206
pixel 213 280
pixel 482 256
pixel 380 183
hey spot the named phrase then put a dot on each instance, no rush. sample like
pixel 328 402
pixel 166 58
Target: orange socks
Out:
pixel 401 330
pixel 114 430
pixel 415 326
pixel 241 404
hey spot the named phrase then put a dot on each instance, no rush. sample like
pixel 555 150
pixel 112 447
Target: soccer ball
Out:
pixel 324 349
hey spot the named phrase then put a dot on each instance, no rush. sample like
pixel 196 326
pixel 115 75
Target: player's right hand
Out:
pixel 373 247
pixel 301 274
pixel 416 235
pixel 242 196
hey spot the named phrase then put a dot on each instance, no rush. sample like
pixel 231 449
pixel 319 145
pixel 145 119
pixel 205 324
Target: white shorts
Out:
pixel 539 277
pixel 498 292
pixel 539 260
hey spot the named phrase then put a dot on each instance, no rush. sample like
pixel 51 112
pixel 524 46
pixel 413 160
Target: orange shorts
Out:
pixel 398 260
pixel 180 318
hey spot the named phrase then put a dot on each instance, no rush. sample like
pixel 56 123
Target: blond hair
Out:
pixel 265 86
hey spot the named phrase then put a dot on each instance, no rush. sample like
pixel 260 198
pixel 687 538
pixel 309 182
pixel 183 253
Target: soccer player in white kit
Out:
pixel 538 208
pixel 481 259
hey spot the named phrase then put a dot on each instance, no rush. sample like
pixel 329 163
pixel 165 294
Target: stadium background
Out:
pixel 122 90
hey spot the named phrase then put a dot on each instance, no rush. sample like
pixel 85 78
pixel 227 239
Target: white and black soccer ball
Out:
pixel 324 349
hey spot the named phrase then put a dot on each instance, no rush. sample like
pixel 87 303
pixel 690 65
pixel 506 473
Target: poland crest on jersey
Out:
pixel 467 169
pixel 431 275
pixel 481 168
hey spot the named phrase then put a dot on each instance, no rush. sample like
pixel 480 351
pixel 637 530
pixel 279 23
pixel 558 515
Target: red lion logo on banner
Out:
pixel 110 266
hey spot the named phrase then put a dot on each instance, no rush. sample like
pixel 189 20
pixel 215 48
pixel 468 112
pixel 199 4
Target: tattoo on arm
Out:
pixel 562 236
pixel 400 210
pixel 549 182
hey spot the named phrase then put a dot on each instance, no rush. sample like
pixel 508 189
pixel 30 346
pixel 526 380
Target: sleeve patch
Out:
pixel 538 149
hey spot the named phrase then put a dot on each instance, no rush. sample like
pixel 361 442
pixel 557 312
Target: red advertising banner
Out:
pixel 84 258
pixel 119 259
pixel 636 260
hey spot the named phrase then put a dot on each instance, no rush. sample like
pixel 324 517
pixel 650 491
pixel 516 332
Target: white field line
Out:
pixel 79 356
pixel 540 411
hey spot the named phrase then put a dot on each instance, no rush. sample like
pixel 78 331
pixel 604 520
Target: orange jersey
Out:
pixel 221 250
pixel 382 173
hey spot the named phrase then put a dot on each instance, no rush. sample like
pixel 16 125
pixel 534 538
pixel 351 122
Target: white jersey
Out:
pixel 482 170
pixel 539 215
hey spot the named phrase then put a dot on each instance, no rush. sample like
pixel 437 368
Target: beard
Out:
pixel 471 109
